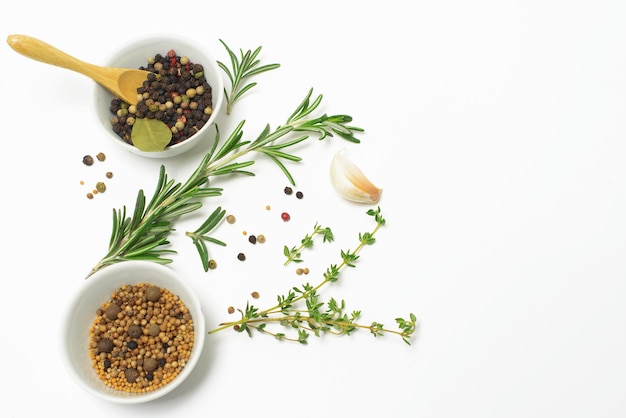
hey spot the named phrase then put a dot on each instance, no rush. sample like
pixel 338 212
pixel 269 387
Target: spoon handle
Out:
pixel 40 51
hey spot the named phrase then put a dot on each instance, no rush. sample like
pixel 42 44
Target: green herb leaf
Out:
pixel 150 135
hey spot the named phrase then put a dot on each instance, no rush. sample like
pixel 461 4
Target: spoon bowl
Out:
pixel 122 82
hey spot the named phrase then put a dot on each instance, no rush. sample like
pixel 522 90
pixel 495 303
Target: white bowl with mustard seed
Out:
pixel 205 101
pixel 133 332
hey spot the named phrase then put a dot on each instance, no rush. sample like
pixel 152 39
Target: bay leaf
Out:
pixel 150 135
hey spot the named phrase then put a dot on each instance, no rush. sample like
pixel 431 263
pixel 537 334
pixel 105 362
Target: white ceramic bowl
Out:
pixel 81 313
pixel 136 54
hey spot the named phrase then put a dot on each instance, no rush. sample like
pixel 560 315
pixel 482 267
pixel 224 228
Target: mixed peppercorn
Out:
pixel 176 92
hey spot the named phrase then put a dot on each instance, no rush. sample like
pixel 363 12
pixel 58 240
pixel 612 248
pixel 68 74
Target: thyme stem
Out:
pixel 313 319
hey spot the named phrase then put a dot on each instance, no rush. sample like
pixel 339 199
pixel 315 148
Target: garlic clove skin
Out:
pixel 350 182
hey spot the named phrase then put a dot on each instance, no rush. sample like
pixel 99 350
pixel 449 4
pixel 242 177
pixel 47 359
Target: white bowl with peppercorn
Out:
pixel 177 105
pixel 133 332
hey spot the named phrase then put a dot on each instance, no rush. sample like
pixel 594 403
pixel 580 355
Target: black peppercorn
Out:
pixel 132 345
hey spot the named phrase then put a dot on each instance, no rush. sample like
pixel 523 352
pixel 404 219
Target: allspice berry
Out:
pixel 134 331
pixel 154 330
pixel 149 364
pixel 153 293
pixel 111 311
pixel 131 374
pixel 105 345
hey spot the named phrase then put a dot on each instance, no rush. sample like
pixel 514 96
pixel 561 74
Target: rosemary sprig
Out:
pixel 200 236
pixel 242 68
pixel 318 317
pixel 142 235
pixel 293 254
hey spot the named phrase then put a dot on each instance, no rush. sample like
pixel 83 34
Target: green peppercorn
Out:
pixel 212 264
pixel 101 187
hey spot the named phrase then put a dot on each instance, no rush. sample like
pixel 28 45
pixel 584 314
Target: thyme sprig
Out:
pixel 243 67
pixel 317 317
pixel 293 254
pixel 143 235
pixel 200 236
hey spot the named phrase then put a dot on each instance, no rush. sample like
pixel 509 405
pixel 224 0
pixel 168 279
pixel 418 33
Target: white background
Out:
pixel 497 130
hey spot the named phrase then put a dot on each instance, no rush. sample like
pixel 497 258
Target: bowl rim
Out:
pixel 217 88
pixel 87 287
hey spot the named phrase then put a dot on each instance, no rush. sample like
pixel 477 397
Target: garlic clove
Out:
pixel 350 182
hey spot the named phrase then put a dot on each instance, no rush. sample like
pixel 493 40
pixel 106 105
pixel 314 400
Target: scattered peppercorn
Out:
pixel 299 271
pixel 212 264
pixel 101 187
pixel 305 270
pixel 231 310
pixel 100 156
pixel 252 239
pixel 260 239
pixel 299 195
pixel 88 160
pixel 288 190
pixel 109 174
pixel 255 295
pixel 285 216
pixel 230 219
pixel 241 256
pixel 89 195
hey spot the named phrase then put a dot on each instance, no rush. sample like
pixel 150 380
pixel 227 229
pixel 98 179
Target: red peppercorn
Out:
pixel 285 216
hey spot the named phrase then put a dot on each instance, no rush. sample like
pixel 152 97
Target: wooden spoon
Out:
pixel 122 82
